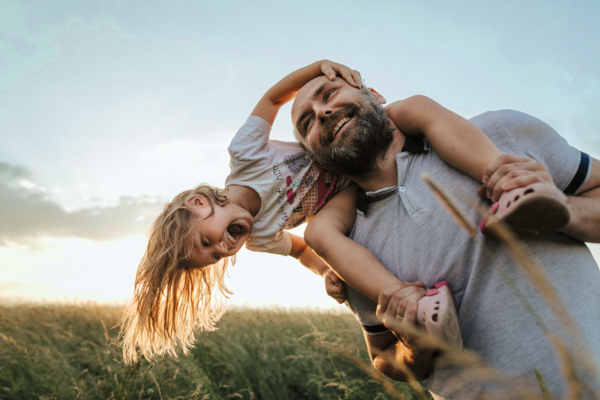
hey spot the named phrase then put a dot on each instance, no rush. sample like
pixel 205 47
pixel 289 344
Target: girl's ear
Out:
pixel 379 97
pixel 197 201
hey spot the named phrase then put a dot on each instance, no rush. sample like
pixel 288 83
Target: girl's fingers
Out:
pixel 357 77
pixel 345 72
pixel 328 72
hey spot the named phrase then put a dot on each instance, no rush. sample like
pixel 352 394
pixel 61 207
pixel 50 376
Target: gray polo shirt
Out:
pixel 414 237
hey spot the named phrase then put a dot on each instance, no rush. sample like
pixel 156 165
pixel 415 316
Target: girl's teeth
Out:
pixel 231 238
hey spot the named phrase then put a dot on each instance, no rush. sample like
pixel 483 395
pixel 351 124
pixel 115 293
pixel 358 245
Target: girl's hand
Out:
pixel 335 287
pixel 330 69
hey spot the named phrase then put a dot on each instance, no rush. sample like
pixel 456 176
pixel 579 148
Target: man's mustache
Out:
pixel 347 111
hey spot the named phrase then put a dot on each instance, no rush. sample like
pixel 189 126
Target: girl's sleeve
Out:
pixel 250 139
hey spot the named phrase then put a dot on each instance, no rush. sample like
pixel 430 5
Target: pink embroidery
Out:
pixel 291 196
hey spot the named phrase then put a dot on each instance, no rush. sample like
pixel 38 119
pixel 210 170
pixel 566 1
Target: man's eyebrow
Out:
pixel 320 89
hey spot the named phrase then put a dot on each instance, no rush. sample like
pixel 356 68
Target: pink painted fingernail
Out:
pixel 494 208
pixel 441 284
pixel 482 224
pixel 431 292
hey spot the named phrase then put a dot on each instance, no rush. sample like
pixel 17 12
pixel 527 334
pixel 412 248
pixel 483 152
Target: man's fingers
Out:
pixel 502 160
pixel 416 295
pixel 394 299
pixel 506 172
pixel 521 181
pixel 410 314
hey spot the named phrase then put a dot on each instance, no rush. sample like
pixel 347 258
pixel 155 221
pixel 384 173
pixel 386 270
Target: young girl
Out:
pixel 272 186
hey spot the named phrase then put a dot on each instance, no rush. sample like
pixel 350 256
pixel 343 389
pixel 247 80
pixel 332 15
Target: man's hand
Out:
pixel 397 308
pixel 335 286
pixel 330 69
pixel 509 172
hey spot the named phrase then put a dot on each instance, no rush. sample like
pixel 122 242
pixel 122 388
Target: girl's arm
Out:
pixel 457 141
pixel 307 257
pixel 357 266
pixel 287 88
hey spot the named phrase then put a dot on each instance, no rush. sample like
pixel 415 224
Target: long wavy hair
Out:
pixel 172 299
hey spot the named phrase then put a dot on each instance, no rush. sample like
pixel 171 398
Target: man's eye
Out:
pixel 307 122
pixel 329 94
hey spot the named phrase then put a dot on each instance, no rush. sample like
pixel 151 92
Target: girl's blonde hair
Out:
pixel 171 299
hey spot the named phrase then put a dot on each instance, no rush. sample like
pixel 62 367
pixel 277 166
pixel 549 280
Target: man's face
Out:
pixel 345 128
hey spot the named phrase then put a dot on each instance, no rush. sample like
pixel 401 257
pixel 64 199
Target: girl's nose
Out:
pixel 221 248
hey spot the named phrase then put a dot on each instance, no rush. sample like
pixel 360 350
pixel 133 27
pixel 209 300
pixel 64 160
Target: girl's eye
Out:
pixel 204 243
pixel 217 257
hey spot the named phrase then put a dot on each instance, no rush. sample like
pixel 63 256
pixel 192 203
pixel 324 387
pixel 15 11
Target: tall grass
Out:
pixel 67 352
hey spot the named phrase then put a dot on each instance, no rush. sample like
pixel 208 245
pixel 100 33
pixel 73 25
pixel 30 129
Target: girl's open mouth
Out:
pixel 234 232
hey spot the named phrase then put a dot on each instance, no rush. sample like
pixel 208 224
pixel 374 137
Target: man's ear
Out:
pixel 379 97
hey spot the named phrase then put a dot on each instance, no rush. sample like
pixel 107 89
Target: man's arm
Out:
pixel 510 172
pixel 585 209
pixel 400 354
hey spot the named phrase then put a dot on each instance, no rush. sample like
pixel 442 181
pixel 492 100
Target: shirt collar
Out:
pixel 411 144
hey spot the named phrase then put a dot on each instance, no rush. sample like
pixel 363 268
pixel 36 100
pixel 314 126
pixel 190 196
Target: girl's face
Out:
pixel 220 235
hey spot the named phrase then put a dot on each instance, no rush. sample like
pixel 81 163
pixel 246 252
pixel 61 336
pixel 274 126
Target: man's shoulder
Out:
pixel 516 129
pixel 502 117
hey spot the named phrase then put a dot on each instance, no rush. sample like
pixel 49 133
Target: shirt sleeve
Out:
pixel 250 139
pixel 569 167
pixel 282 245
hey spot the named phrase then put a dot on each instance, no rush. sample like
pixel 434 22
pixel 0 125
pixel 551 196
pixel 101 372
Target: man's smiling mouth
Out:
pixel 339 126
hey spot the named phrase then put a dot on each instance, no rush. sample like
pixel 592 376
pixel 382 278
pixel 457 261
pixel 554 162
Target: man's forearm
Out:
pixel 585 217
pixel 399 362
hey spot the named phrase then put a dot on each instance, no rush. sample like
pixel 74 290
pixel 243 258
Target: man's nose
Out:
pixel 323 113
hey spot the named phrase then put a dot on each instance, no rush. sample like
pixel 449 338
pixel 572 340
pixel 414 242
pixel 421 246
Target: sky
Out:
pixel 109 109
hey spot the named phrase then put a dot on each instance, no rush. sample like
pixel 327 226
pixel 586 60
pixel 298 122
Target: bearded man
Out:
pixel 400 221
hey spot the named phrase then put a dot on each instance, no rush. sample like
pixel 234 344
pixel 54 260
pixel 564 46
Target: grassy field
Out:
pixel 68 352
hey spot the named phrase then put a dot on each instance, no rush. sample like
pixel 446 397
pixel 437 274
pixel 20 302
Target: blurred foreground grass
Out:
pixel 65 352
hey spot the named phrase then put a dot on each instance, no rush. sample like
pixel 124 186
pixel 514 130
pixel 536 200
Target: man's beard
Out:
pixel 362 146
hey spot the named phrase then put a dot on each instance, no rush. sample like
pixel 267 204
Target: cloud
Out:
pixel 27 212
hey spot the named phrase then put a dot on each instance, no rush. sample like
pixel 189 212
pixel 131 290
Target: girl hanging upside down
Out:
pixel 274 186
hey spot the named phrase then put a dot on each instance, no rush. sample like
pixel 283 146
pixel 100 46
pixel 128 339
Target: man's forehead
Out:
pixel 306 92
